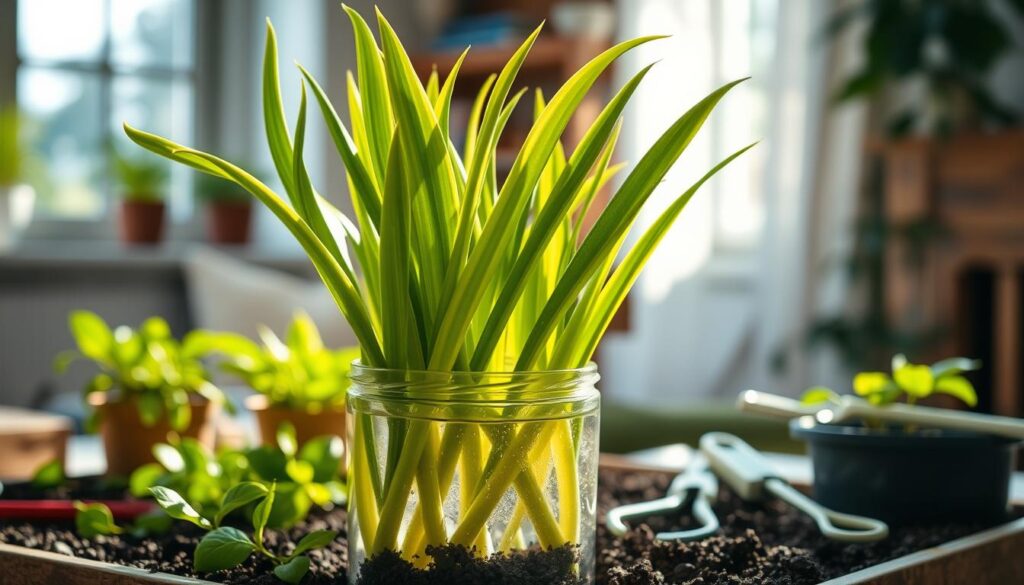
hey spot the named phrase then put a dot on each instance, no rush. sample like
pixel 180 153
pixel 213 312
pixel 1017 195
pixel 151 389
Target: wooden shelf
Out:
pixel 551 53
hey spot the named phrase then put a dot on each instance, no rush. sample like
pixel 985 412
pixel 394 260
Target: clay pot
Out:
pixel 128 443
pixel 228 222
pixel 142 222
pixel 307 424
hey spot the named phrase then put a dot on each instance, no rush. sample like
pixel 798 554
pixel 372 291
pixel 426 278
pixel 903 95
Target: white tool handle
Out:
pixel 850 408
pixel 833 525
pixel 737 464
pixel 774 405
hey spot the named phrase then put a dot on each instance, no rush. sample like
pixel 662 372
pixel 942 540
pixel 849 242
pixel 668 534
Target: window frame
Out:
pixel 206 21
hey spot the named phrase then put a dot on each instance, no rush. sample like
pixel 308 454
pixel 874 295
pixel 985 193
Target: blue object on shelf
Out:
pixel 488 29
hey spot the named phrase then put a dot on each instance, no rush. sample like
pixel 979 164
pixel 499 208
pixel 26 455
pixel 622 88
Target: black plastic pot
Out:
pixel 916 477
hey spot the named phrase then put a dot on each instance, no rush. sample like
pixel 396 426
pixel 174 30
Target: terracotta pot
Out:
pixel 307 424
pixel 228 222
pixel 128 443
pixel 142 222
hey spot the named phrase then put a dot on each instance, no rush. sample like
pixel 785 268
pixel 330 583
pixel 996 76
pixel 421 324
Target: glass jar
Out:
pixel 464 465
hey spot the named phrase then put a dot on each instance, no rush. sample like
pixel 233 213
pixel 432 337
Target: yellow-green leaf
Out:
pixel 915 380
pixel 818 395
pixel 866 383
pixel 959 387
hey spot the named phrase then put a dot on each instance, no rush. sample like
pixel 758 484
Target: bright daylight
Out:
pixel 511 292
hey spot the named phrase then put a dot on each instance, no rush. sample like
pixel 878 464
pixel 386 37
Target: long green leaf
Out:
pixel 473 125
pixel 343 291
pixel 443 105
pixel 373 88
pixel 563 194
pixel 308 205
pixel 274 119
pixel 367 192
pixel 614 292
pixel 512 201
pixel 395 266
pixel 617 218
pixel 429 165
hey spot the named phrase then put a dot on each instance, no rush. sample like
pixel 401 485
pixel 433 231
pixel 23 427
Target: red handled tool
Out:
pixel 65 509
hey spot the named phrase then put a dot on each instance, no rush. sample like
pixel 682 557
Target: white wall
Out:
pixel 710 312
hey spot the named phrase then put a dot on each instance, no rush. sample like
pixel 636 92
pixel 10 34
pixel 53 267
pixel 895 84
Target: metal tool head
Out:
pixel 694 489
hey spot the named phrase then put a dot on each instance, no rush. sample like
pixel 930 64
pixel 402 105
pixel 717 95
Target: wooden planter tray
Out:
pixel 989 557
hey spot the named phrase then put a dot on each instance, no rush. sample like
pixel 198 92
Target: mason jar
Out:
pixel 449 468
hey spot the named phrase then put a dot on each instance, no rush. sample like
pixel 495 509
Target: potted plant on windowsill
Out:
pixel 906 474
pixel 147 387
pixel 141 182
pixel 17 198
pixel 297 380
pixel 228 210
pixel 477 306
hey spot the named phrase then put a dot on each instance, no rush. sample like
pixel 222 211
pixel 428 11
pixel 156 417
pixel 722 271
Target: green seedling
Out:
pixel 304 477
pixel 225 547
pixel 145 365
pixel 909 382
pixel 298 372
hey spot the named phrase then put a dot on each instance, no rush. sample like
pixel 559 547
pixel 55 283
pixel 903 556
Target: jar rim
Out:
pixel 358 367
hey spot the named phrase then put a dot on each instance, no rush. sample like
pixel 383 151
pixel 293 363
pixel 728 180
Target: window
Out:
pixel 84 67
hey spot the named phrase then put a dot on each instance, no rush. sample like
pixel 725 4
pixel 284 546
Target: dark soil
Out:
pixel 456 565
pixel 760 544
pixel 91 488
pixel 763 543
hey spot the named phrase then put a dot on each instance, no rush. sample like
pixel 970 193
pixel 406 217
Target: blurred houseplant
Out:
pixel 17 197
pixel 948 47
pixel 478 305
pixel 228 210
pixel 298 380
pixel 148 385
pixel 927 68
pixel 141 182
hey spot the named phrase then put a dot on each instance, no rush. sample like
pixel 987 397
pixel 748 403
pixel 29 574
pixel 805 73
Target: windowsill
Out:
pixel 110 254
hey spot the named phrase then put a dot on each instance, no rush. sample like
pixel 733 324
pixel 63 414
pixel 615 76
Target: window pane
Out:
pixel 155 33
pixel 68 108
pixel 70 30
pixel 163 107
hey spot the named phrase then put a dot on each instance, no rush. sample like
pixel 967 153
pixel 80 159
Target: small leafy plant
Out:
pixel 304 477
pixel 147 366
pixel 445 269
pixel 297 373
pixel 224 547
pixel 139 178
pixel 908 381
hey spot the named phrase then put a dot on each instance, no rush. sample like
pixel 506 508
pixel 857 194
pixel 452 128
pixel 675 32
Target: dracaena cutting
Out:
pixel 442 267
